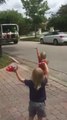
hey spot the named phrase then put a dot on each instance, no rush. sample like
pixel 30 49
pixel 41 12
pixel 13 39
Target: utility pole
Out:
pixel 0 48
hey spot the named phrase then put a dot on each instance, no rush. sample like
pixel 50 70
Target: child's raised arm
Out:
pixel 38 55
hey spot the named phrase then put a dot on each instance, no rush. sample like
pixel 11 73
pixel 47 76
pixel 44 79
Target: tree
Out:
pixel 59 20
pixel 35 10
pixel 62 11
pixel 1 1
pixel 12 16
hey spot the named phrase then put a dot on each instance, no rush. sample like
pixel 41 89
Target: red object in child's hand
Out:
pixel 10 68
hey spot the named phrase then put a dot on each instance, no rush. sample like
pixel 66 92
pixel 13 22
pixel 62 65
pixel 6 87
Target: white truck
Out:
pixel 9 33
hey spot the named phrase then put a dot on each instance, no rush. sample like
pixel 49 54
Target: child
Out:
pixel 42 62
pixel 37 94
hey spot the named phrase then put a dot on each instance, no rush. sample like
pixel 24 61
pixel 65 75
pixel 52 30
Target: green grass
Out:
pixel 4 61
pixel 30 39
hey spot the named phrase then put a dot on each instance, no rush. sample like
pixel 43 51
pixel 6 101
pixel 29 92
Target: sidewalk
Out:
pixel 14 97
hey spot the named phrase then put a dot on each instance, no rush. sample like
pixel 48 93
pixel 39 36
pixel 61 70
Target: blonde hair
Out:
pixel 37 76
pixel 43 55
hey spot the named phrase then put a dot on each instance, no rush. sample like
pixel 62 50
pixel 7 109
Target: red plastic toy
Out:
pixel 10 68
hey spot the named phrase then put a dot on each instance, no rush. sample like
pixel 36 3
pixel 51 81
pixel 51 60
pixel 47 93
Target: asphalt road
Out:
pixel 25 52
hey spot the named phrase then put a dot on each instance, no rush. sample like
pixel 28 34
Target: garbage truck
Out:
pixel 9 33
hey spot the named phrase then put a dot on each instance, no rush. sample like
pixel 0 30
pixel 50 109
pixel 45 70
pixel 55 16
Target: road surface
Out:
pixel 25 52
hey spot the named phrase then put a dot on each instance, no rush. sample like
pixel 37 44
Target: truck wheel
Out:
pixel 16 41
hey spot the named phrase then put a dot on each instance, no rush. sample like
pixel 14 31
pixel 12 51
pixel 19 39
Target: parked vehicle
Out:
pixel 9 33
pixel 54 38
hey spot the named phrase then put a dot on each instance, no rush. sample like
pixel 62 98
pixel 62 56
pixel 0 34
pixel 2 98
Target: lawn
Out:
pixel 29 39
pixel 5 60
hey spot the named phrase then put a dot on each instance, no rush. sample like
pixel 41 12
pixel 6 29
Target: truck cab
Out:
pixel 9 33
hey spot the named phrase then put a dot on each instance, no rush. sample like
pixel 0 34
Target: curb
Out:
pixel 14 60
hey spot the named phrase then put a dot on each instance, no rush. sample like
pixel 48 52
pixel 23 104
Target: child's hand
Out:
pixel 15 67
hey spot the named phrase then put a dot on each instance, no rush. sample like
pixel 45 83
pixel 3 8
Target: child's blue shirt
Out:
pixel 36 95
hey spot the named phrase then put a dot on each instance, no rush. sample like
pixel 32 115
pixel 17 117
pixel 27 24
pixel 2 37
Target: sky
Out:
pixel 54 5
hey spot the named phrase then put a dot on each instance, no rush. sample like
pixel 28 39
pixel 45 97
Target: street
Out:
pixel 25 52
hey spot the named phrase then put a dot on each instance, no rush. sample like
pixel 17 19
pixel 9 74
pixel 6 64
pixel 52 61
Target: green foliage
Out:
pixel 62 11
pixel 1 2
pixel 25 26
pixel 35 9
pixel 12 16
pixel 30 39
pixel 59 20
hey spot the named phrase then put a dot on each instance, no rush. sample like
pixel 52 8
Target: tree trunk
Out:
pixel 35 31
pixel 0 49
